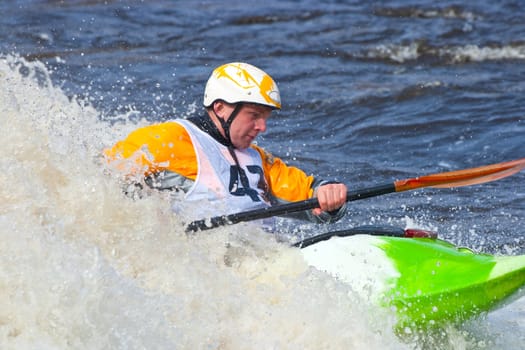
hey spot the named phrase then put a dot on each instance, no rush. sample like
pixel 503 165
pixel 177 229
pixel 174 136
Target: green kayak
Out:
pixel 427 281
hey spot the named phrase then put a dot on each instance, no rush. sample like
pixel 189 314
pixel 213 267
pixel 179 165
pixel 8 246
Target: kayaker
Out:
pixel 212 157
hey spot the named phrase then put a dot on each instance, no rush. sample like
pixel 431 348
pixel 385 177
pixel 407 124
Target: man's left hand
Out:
pixel 331 197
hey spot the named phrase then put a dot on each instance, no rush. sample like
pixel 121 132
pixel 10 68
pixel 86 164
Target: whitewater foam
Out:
pixel 83 266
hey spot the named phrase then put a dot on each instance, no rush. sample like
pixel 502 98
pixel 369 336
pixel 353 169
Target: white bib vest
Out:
pixel 218 185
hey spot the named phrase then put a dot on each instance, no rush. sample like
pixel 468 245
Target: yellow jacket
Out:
pixel 167 147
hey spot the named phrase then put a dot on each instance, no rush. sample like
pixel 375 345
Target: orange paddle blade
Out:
pixel 464 177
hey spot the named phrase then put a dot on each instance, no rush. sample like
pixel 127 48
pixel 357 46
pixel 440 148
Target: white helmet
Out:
pixel 241 82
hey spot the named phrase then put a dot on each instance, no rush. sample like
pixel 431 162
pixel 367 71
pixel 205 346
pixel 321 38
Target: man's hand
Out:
pixel 331 197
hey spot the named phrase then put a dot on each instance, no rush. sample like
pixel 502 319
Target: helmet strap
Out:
pixel 226 124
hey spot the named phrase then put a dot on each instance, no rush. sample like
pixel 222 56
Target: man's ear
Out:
pixel 218 108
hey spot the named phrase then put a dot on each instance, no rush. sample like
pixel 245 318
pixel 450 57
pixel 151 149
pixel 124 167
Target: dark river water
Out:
pixel 373 91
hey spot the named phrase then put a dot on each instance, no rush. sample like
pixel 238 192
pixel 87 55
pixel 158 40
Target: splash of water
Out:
pixel 83 266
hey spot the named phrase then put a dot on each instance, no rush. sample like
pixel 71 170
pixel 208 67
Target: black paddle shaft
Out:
pixel 283 209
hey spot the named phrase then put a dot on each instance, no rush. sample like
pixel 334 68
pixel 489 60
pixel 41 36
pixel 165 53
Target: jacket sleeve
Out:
pixel 290 184
pixel 153 149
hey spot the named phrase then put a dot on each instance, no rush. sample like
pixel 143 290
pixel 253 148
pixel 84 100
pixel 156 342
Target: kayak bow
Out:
pixel 429 282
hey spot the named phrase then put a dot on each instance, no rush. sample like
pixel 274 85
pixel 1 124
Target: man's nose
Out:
pixel 261 124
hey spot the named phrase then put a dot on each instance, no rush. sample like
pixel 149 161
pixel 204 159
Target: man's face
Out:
pixel 250 121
